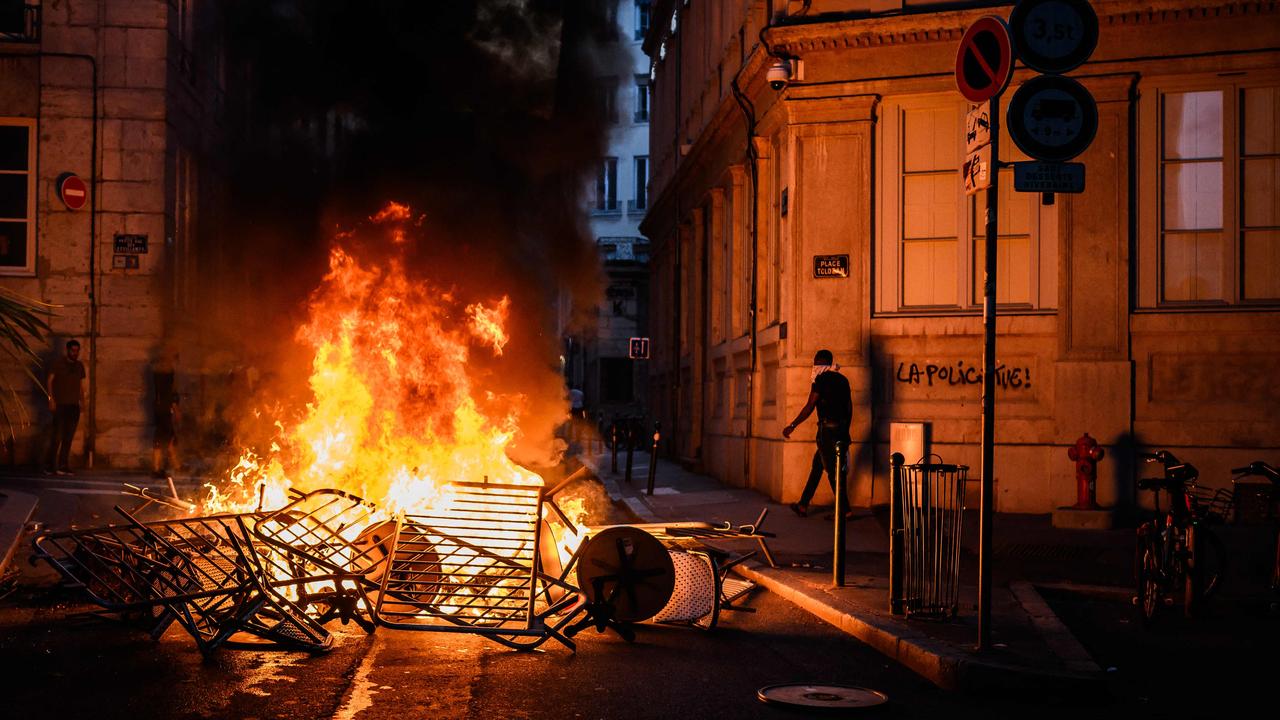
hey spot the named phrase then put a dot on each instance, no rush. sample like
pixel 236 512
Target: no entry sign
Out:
pixel 984 62
pixel 72 190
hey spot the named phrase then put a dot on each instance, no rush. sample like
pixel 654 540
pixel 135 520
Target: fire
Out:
pixel 394 414
pixel 487 323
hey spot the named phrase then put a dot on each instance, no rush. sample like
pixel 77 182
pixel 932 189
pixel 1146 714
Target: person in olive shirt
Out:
pixel 829 395
pixel 65 386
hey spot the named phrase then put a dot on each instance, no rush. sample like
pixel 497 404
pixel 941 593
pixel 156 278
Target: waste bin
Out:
pixel 927 516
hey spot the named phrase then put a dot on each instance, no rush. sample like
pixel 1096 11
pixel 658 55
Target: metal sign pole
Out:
pixel 837 555
pixel 989 384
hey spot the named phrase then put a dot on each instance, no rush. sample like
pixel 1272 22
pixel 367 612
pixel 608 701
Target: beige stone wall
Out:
pixel 1085 358
pixel 132 43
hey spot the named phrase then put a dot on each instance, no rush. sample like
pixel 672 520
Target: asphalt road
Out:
pixel 56 665
pixel 61 667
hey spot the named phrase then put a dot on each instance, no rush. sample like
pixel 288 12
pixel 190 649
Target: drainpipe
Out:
pixel 90 434
pixel 677 296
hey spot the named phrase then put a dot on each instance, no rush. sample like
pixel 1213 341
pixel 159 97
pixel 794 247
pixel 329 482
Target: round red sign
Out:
pixel 984 62
pixel 73 191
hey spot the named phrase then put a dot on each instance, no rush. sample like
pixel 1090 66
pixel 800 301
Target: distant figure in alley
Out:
pixel 65 386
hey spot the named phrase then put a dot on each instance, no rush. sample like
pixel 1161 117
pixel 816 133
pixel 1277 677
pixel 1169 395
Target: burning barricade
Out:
pixel 486 560
pixel 389 499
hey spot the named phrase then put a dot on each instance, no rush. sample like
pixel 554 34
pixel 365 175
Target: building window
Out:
pixel 607 186
pixel 642 182
pixel 931 245
pixel 642 18
pixel 607 99
pixel 642 99
pixel 17 196
pixel 1210 230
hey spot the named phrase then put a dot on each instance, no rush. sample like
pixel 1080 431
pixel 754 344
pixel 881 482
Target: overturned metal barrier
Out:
pixel 485 561
pixel 204 573
pixel 473 566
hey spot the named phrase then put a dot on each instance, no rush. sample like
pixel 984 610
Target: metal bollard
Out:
pixel 613 443
pixel 653 455
pixel 631 444
pixel 837 560
pixel 896 603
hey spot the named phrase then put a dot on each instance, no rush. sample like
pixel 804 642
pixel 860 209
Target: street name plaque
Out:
pixel 831 266
pixel 130 244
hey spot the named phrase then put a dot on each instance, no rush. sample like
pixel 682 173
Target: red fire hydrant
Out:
pixel 1086 455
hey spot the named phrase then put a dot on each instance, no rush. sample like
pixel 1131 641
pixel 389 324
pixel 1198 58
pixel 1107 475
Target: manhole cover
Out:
pixel 834 697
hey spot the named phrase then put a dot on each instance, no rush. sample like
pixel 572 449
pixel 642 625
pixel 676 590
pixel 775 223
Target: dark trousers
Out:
pixel 65 420
pixel 824 460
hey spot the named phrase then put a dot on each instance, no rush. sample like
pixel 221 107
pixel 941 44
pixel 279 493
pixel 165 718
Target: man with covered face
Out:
pixel 829 395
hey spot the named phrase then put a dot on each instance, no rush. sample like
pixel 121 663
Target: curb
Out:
pixel 1056 635
pixel 935 661
pixel 932 660
pixel 16 510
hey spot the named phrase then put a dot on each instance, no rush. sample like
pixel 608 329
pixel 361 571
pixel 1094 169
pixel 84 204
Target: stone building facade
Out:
pixel 129 95
pixel 613 383
pixel 1145 311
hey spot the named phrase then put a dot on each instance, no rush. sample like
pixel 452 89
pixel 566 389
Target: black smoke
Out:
pixel 478 114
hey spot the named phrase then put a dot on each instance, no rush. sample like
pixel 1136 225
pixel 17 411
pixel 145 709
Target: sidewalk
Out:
pixel 1032 649
pixel 64 500
pixel 16 510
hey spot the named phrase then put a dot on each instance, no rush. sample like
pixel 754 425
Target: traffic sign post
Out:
pixel 984 66
pixel 984 63
pixel 638 348
pixel 72 190
pixel 1052 118
pixel 1048 177
pixel 978 170
pixel 1054 36
pixel 977 128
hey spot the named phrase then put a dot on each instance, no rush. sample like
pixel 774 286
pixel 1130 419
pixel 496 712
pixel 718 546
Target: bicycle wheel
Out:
pixel 1147 577
pixel 1205 567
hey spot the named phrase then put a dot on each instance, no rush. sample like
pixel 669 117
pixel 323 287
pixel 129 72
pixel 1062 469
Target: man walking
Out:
pixel 65 386
pixel 829 395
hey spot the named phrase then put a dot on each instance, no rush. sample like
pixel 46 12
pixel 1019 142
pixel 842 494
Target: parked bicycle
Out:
pixel 1258 468
pixel 1176 553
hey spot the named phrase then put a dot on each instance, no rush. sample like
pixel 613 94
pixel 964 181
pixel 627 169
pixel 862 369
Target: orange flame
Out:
pixel 393 415
pixel 487 324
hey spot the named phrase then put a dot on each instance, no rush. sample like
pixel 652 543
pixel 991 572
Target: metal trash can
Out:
pixel 925 530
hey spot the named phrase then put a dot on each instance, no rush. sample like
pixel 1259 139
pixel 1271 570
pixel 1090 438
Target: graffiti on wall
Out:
pixel 961 373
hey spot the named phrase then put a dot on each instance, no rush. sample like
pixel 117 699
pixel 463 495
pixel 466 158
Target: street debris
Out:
pixel 499 560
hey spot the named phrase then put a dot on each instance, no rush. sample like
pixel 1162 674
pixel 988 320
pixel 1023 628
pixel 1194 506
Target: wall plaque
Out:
pixel 131 244
pixel 831 266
